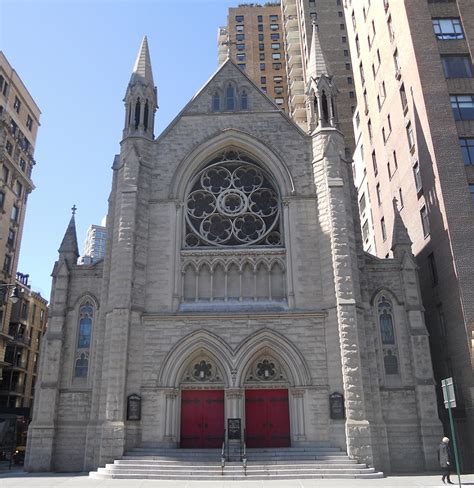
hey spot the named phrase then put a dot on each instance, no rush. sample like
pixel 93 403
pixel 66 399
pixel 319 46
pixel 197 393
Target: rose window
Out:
pixel 232 202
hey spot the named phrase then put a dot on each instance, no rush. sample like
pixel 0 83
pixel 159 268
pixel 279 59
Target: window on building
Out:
pixel 85 326
pixel 262 66
pixel 403 98
pixel 5 88
pixel 244 100
pixel 395 160
pixel 357 43
pixel 273 18
pixel 278 90
pixel 277 79
pixel 425 223
pixel 383 229
pixel 448 29
pixel 369 128
pixel 7 263
pixel 361 70
pixel 260 18
pixel 365 231
pixel 389 171
pixel 471 191
pixel 15 214
pixel 263 80
pixel 239 19
pixel 230 98
pixel 467 149
pixel 417 175
pixel 457 66
pixel 11 238
pixel 274 27
pixel 239 28
pixel 390 28
pixel 400 198
pixel 81 366
pixel 352 95
pixel 410 136
pixel 216 102
pixel 241 66
pixel 344 39
pixel 2 199
pixel 240 37
pixel 362 204
pixel 463 107
pixel 264 89
pixel 18 189
pixel 240 47
pixel 379 195
pixel 261 38
pixel 276 56
pixel 17 105
pixel 29 122
pixel 346 53
pixel 433 269
pixel 279 101
pixel 261 47
pixel 387 331
pixel 349 80
pixel 374 162
pixel 240 57
pixel 276 66
pixel 274 36
pixel 9 147
pixel 5 174
pixel 396 62
pixel 276 45
pixel 261 56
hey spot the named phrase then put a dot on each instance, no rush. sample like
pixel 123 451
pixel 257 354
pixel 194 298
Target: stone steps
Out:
pixel 204 464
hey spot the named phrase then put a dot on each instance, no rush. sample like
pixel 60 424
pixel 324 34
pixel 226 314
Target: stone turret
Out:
pixel 141 100
pixel 320 88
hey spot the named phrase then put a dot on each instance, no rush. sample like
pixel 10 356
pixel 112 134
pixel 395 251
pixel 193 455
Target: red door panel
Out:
pixel 267 419
pixel 202 418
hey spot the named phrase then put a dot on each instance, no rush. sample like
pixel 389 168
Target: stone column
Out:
pixel 171 418
pixel 234 404
pixel 298 432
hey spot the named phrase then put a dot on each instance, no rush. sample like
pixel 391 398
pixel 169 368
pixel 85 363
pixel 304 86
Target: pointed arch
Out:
pixel 186 349
pixel 268 340
pixel 228 138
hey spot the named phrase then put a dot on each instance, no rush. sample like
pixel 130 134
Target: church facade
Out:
pixel 234 286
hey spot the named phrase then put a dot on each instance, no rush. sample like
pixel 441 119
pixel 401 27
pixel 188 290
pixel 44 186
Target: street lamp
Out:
pixel 15 294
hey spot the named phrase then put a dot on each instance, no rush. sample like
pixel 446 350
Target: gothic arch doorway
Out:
pixel 202 403
pixel 267 412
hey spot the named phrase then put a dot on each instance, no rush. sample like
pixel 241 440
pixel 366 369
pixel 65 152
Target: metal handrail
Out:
pixel 223 455
pixel 244 455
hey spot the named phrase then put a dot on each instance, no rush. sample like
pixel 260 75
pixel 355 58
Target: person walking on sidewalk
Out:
pixel 444 458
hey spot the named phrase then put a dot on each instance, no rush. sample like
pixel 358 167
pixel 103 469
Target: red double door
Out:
pixel 267 419
pixel 202 418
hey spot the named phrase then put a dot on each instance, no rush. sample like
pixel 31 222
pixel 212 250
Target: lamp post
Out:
pixel 15 294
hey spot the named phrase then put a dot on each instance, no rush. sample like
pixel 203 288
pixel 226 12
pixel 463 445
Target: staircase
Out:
pixel 204 464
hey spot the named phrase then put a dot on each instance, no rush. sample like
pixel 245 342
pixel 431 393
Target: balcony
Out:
pixel 21 340
pixel 290 8
pixel 12 390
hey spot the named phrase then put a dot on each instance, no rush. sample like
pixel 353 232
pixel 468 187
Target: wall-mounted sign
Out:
pixel 134 407
pixel 336 406
pixel 234 429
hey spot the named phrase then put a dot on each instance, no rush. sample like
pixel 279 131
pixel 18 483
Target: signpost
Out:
pixel 447 386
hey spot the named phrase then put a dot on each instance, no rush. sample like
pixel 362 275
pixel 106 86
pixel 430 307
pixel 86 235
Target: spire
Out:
pixel 141 99
pixel 400 237
pixel 142 69
pixel 317 64
pixel 68 247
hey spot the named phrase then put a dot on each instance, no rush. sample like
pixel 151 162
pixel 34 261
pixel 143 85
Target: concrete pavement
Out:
pixel 19 479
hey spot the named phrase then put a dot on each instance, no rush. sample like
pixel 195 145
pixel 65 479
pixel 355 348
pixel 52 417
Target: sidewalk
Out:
pixel 19 479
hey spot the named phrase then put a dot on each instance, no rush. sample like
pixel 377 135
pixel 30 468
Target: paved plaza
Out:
pixel 18 479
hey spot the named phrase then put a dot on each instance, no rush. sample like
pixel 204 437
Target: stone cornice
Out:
pixel 234 252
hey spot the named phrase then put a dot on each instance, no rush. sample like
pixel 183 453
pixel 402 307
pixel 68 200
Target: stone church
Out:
pixel 234 287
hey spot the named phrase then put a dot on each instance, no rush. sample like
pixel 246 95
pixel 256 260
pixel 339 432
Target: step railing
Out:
pixel 223 455
pixel 244 455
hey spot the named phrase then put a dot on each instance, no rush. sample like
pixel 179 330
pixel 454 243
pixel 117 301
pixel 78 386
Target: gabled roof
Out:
pixel 223 71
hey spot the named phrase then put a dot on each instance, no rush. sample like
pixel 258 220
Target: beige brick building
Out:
pixel 26 329
pixel 254 36
pixel 19 122
pixel 414 81
pixel 234 286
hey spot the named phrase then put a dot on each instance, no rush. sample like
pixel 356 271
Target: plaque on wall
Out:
pixel 336 406
pixel 134 407
pixel 234 429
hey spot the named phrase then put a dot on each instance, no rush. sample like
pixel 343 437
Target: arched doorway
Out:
pixel 202 404
pixel 267 412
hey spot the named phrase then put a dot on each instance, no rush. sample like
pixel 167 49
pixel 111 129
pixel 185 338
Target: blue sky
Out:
pixel 76 57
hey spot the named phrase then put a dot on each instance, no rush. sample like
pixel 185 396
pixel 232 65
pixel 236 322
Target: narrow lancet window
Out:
pixel 137 114
pixel 244 101
pixel 145 116
pixel 230 98
pixel 216 102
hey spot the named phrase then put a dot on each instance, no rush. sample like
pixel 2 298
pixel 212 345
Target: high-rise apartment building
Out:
pixel 96 239
pixel 26 329
pixel 415 90
pixel 254 37
pixel 19 122
pixel 328 16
